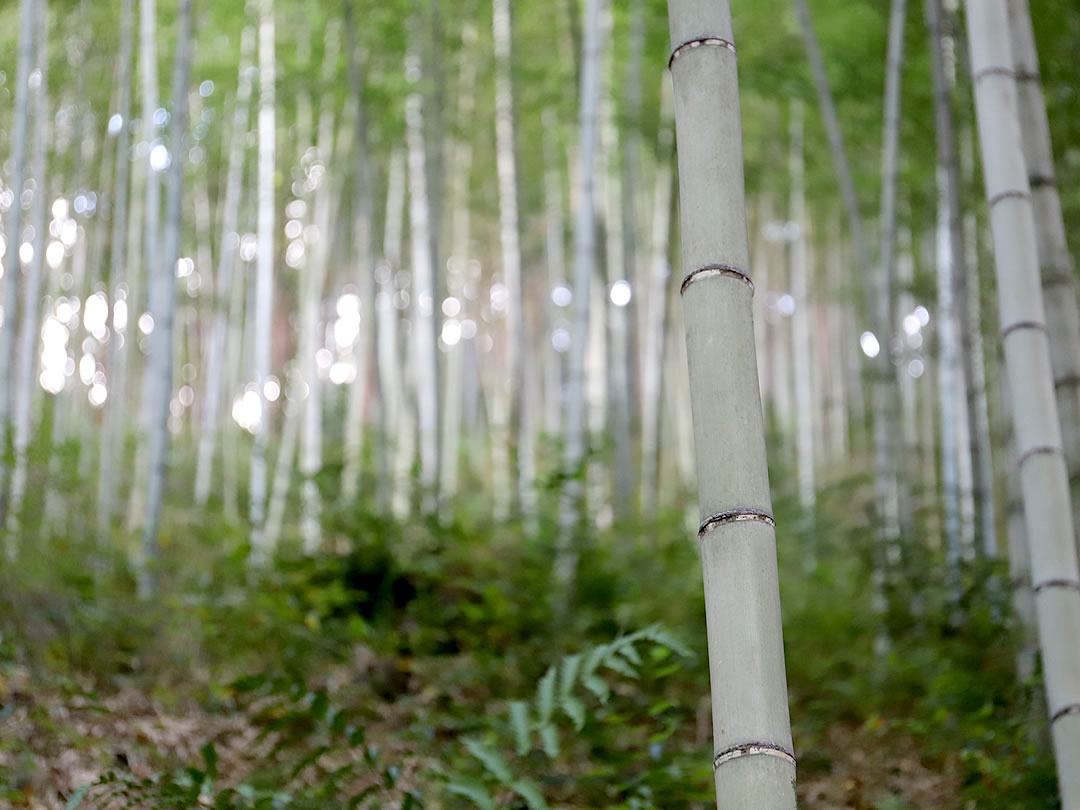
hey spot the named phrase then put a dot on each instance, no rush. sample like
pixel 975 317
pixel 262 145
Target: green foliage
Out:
pixel 561 695
pixel 425 658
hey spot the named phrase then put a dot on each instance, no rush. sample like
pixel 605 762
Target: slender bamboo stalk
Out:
pixel 264 273
pixel 584 245
pixel 837 306
pixel 364 248
pixel 423 291
pixel 978 401
pixel 449 456
pixel 313 284
pixel 800 320
pixel 634 260
pixel 25 382
pixel 112 427
pixel 13 221
pixel 215 356
pixel 148 80
pixel 555 255
pixel 160 365
pixel 1041 456
pixel 754 764
pixel 510 238
pixel 655 305
pixel 619 287
pixel 389 368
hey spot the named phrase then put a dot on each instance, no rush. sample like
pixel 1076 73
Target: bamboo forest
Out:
pixel 535 404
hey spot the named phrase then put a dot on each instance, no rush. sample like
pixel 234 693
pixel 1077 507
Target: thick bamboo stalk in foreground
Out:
pixel 753 763
pixel 1044 477
pixel 1055 261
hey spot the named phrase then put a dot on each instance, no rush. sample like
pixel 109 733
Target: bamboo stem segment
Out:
pixel 1044 478
pixel 754 764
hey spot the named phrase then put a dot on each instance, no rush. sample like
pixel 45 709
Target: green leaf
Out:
pixel 598 686
pixel 248 683
pixel 209 754
pixel 319 704
pixel 659 635
pixel 549 738
pixel 490 759
pixel 630 653
pixel 574 709
pixel 519 722
pixel 571 665
pixel 593 659
pixel 337 722
pixel 534 799
pixel 390 776
pixel 618 664
pixel 545 695
pixel 309 759
pixel 473 791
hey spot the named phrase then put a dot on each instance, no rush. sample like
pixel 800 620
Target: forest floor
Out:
pixel 56 744
pixel 420 665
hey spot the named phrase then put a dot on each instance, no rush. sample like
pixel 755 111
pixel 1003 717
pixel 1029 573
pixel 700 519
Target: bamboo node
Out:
pixel 1042 181
pixel 1067 584
pixel 1067 381
pixel 1073 708
pixel 697 42
pixel 715 270
pixel 735 516
pixel 751 749
pixel 1027 75
pixel 1042 450
pixel 993 70
pixel 1013 327
pixel 1016 583
pixel 1057 278
pixel 1008 194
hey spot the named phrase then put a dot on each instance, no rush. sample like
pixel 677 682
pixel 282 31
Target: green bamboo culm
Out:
pixel 1044 476
pixel 753 759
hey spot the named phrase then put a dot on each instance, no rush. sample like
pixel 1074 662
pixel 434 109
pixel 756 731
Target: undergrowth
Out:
pixel 439 665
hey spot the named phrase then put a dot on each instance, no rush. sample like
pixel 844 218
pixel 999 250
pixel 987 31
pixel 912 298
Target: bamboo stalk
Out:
pixel 1041 455
pixel 754 764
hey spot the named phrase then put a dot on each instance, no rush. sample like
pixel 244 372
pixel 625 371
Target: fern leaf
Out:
pixel 630 653
pixel 574 709
pixel 534 799
pixel 659 635
pixel 594 658
pixel 598 686
pixel 571 665
pixel 545 695
pixel 519 722
pixel 473 791
pixel 549 738
pixel 620 665
pixel 490 759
